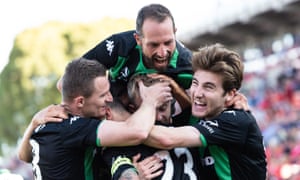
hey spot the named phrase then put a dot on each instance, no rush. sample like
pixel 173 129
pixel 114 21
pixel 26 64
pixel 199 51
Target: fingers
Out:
pixel 242 102
pixel 150 161
pixel 155 174
pixel 239 101
pixel 58 111
pixel 52 113
pixel 156 76
pixel 158 93
pixel 149 167
pixel 136 158
pixel 166 78
pixel 160 76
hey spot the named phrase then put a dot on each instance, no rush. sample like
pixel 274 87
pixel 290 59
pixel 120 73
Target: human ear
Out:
pixel 131 108
pixel 229 99
pixel 79 101
pixel 108 114
pixel 137 38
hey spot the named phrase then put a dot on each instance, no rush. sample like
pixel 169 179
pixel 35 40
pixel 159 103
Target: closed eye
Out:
pixel 209 86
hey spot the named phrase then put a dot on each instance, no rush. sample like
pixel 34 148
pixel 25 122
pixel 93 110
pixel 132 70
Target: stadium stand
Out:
pixel 269 42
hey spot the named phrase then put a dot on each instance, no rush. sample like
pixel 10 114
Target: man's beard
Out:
pixel 153 63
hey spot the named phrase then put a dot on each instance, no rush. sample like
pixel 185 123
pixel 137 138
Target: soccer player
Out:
pixel 65 150
pixel 229 140
pixel 178 163
pixel 151 47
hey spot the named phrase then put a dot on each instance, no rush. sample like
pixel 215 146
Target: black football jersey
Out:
pixel 65 150
pixel 232 147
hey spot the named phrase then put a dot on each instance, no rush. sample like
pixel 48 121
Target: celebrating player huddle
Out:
pixel 162 112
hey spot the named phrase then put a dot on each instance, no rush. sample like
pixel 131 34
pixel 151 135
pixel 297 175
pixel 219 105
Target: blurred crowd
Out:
pixel 274 97
pixel 11 168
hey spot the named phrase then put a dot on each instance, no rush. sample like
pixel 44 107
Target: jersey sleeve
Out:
pixel 80 132
pixel 120 165
pixel 108 51
pixel 104 52
pixel 120 158
pixel 227 129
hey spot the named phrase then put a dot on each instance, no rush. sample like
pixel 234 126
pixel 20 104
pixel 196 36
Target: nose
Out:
pixel 197 92
pixel 161 118
pixel 158 117
pixel 162 51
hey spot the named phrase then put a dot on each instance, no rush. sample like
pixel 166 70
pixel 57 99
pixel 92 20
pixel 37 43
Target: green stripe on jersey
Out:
pixel 88 163
pixel 114 71
pixel 222 165
pixel 185 80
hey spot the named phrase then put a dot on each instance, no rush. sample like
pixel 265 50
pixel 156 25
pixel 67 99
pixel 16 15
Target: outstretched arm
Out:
pixel 52 113
pixel 170 137
pixel 137 127
pixel 24 150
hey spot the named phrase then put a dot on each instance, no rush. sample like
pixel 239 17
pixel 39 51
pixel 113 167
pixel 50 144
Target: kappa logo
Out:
pixel 73 119
pixel 124 73
pixel 230 112
pixel 40 127
pixel 212 123
pixel 206 125
pixel 110 46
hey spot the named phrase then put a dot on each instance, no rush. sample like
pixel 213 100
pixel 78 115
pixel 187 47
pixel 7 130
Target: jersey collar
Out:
pixel 141 67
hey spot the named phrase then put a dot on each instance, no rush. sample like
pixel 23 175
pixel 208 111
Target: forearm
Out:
pixel 24 150
pixel 122 168
pixel 129 174
pixel 143 119
pixel 182 98
pixel 168 137
pixel 159 138
pixel 152 97
pixel 133 131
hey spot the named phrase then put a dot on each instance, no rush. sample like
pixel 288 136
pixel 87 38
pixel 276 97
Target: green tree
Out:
pixel 36 62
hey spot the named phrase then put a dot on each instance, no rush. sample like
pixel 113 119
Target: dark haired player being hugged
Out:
pixel 177 163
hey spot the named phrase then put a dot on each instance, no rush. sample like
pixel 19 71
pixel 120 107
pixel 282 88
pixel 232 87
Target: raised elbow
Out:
pixel 141 136
pixel 166 143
